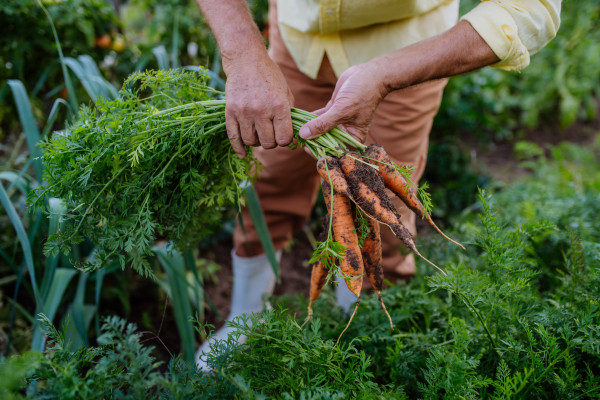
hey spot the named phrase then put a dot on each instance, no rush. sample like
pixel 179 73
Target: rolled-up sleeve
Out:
pixel 515 29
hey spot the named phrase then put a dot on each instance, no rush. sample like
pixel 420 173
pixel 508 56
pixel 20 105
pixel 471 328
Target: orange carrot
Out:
pixel 398 184
pixel 344 233
pixel 368 191
pixel 371 252
pixel 318 277
pixel 337 176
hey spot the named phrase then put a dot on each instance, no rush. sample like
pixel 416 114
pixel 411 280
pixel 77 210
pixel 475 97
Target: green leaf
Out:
pixel 162 57
pixel 53 114
pixel 23 239
pixel 32 134
pixel 77 309
pixel 57 210
pixel 175 42
pixel 68 83
pixel 174 265
pixel 61 280
pixel 73 339
pixel 93 72
pixel 16 180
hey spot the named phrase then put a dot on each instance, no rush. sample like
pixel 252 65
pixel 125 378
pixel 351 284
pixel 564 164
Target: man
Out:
pixel 377 67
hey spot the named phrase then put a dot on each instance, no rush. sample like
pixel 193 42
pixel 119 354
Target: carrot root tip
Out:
pixel 349 322
pixel 443 234
pixel 385 309
pixel 438 268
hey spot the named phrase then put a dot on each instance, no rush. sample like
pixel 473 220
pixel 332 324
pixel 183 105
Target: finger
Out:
pixel 266 135
pixel 320 125
pixel 247 131
pixel 233 133
pixel 282 125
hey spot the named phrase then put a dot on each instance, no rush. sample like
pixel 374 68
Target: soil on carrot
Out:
pixel 370 177
pixel 365 175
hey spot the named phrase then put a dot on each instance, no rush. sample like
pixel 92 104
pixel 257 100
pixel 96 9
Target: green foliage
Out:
pixel 143 167
pixel 508 322
pixel 28 42
pixel 279 360
pixel 453 178
pixel 512 320
pixel 560 85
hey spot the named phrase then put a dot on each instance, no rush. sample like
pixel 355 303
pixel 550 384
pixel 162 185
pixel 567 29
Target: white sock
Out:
pixel 345 298
pixel 252 277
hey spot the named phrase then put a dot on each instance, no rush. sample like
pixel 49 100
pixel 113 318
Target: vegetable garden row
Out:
pixel 103 186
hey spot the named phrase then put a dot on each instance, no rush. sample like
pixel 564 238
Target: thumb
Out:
pixel 320 125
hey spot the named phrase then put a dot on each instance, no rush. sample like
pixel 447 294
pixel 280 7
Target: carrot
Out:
pixel 398 184
pixel 371 252
pixel 318 276
pixel 344 233
pixel 337 176
pixel 368 191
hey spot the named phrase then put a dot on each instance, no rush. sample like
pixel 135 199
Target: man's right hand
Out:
pixel 258 103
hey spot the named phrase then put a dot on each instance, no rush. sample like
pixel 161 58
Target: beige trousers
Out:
pixel 289 183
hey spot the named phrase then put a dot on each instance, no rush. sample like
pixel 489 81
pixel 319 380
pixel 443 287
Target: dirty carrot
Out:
pixel 368 191
pixel 337 176
pixel 343 231
pixel 398 184
pixel 318 276
pixel 371 252
pixel 352 266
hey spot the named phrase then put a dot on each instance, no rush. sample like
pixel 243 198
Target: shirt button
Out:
pixel 329 12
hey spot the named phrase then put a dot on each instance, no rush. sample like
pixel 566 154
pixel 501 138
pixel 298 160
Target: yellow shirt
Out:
pixel 353 32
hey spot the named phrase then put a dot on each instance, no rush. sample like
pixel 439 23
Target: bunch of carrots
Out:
pixel 354 190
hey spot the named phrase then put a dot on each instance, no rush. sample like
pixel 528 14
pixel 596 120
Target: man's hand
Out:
pixel 258 104
pixel 355 99
pixel 258 97
pixel 361 88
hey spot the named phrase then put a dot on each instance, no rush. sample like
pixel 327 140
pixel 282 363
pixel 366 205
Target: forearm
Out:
pixel 234 30
pixel 456 51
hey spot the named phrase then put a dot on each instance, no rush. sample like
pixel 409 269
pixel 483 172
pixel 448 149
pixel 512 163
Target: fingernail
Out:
pixel 241 155
pixel 305 132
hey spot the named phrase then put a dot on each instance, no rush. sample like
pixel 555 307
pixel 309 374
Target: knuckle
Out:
pixel 250 141
pixel 233 135
pixel 320 125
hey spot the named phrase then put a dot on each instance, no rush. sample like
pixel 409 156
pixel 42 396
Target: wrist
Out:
pixel 396 70
pixel 242 57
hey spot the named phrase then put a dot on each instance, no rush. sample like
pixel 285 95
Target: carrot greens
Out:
pixel 154 163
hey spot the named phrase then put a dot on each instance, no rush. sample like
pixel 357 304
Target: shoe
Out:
pixel 253 277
